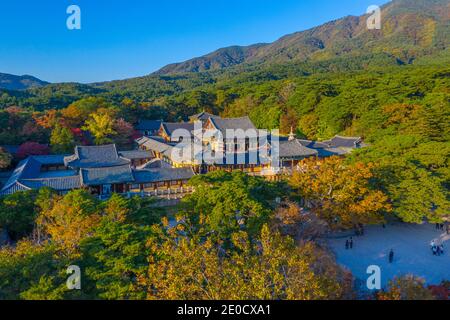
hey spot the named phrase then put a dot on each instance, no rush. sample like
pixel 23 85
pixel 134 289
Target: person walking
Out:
pixel 351 243
pixel 448 229
pixel 441 248
pixel 391 256
pixel 347 244
pixel 434 249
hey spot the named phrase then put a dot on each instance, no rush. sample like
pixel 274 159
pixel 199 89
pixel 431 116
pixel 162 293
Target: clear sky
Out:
pixel 127 38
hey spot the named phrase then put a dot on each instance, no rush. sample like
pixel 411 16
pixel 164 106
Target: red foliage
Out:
pixel 441 292
pixel 32 149
pixel 80 136
pixel 136 135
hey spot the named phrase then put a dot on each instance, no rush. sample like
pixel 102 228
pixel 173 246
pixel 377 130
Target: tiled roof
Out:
pixel 107 175
pixel 313 144
pixel 343 142
pixel 150 125
pixel 95 157
pixel 155 163
pixel 154 144
pixel 202 116
pixel 59 183
pixel 169 127
pixel 294 149
pixel 15 187
pixel 329 152
pixel 223 124
pixel 162 174
pixel 27 169
pixel 51 159
pixel 136 154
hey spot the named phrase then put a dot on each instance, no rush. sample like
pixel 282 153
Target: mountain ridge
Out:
pixel 405 33
pixel 23 82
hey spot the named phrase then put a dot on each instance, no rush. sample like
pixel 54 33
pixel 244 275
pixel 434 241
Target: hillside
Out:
pixel 410 29
pixel 13 82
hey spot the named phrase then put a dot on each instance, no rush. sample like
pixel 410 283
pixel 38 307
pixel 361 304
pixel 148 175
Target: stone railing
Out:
pixel 165 194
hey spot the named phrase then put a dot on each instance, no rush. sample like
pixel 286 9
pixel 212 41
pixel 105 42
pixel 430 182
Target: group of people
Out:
pixel 436 248
pixel 359 231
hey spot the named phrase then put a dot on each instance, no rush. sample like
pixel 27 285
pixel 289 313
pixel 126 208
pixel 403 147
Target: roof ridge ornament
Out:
pixel 292 135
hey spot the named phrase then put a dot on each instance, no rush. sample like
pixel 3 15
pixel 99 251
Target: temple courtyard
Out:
pixel 412 252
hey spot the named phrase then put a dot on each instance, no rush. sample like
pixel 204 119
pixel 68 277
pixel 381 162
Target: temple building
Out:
pixel 148 127
pixel 100 169
pixel 250 154
pixel 164 161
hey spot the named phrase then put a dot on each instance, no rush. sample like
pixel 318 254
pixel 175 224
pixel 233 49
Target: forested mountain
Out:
pixel 410 29
pixel 414 32
pixel 13 82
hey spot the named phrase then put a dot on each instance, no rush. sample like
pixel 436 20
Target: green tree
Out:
pixel 116 258
pixel 18 213
pixel 414 173
pixel 224 203
pixel 30 271
pixel 62 140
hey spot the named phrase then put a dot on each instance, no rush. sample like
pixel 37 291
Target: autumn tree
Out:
pixel 272 268
pixel 287 219
pixel 48 120
pixel 408 287
pixel 32 149
pixel 5 159
pixel 288 121
pixel 77 113
pixel 70 219
pixel 32 131
pixel 101 127
pixel 124 133
pixel 339 193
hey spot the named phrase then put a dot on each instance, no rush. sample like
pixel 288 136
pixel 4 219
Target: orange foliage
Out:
pixel 340 193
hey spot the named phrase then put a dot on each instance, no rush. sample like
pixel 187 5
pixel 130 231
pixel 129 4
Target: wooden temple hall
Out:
pixel 100 169
pixel 288 151
pixel 153 169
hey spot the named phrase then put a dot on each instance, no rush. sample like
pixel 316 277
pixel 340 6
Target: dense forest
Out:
pixel 401 111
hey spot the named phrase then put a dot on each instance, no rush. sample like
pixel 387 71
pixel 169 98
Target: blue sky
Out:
pixel 121 39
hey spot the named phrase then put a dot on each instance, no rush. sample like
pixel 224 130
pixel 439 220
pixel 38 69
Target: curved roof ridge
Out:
pixel 346 137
